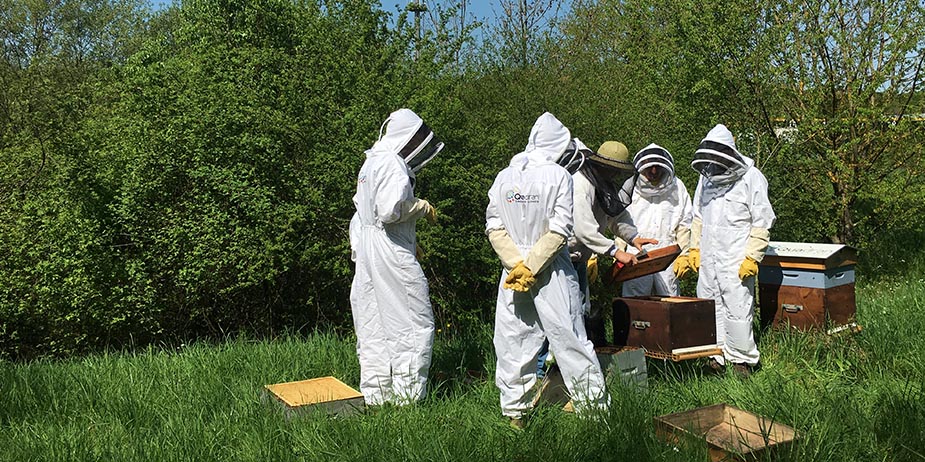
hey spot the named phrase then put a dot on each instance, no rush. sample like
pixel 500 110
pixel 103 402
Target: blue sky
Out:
pixel 478 10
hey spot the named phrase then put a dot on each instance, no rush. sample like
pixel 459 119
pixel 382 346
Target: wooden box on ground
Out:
pixel 729 433
pixel 325 394
pixel 626 364
pixel 653 262
pixel 671 325
pixel 807 285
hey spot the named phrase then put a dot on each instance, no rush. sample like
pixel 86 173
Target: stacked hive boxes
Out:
pixel 807 285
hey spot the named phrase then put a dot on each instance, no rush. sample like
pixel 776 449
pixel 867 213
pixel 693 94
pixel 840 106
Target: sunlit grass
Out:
pixel 851 397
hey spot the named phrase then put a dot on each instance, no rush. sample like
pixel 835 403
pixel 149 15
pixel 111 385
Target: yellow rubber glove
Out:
pixel 520 278
pixel 592 269
pixel 748 269
pixel 431 214
pixel 682 266
pixel 694 257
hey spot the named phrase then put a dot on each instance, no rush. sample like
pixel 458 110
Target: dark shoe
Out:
pixel 517 423
pixel 714 367
pixel 742 370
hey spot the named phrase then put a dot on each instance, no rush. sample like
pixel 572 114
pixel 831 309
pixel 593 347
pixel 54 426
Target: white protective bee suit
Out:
pixel 661 211
pixel 732 207
pixel 389 297
pixel 529 199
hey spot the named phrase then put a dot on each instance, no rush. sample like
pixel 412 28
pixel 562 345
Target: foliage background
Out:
pixel 188 173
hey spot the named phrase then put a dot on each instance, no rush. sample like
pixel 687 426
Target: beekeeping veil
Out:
pixel 718 159
pixel 612 174
pixel 654 156
pixel 574 156
pixel 406 134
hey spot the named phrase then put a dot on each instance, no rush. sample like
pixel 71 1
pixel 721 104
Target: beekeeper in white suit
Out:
pixel 389 297
pixel 528 221
pixel 661 209
pixel 603 191
pixel 729 236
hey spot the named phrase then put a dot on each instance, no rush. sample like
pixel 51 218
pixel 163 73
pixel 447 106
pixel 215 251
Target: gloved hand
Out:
pixel 412 210
pixel 520 278
pixel 430 213
pixel 748 268
pixel 592 269
pixel 418 252
pixel 694 257
pixel 682 266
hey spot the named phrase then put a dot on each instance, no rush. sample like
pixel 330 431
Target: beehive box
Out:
pixel 324 394
pixel 625 364
pixel 672 325
pixel 807 285
pixel 729 432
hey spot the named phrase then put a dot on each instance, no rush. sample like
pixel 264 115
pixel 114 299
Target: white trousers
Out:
pixel 734 312
pixel 393 319
pixel 551 309
pixel 662 283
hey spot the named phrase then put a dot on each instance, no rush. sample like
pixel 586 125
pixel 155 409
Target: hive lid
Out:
pixel 654 261
pixel 312 391
pixel 808 255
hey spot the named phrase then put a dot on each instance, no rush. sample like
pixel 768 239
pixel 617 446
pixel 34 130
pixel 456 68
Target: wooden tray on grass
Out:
pixel 729 432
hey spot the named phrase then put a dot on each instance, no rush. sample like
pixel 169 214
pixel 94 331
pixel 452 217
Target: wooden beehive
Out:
pixel 807 285
pixel 672 325
pixel 729 432
pixel 326 394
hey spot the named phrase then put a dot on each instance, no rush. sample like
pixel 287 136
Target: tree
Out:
pixel 518 36
pixel 846 74
pixel 850 76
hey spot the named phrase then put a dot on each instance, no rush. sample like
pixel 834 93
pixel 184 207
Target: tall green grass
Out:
pixel 851 397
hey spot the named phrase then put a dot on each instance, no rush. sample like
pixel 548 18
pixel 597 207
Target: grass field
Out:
pixel 852 398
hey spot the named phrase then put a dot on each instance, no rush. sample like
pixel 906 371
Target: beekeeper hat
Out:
pixel 612 154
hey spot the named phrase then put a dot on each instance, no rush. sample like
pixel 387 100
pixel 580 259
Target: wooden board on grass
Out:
pixel 325 393
pixel 730 433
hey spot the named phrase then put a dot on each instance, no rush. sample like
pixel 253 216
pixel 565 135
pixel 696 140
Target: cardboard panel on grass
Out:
pixel 806 285
pixel 324 394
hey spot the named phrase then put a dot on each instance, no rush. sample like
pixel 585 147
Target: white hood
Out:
pixel 399 128
pixel 717 153
pixel 654 155
pixel 548 140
